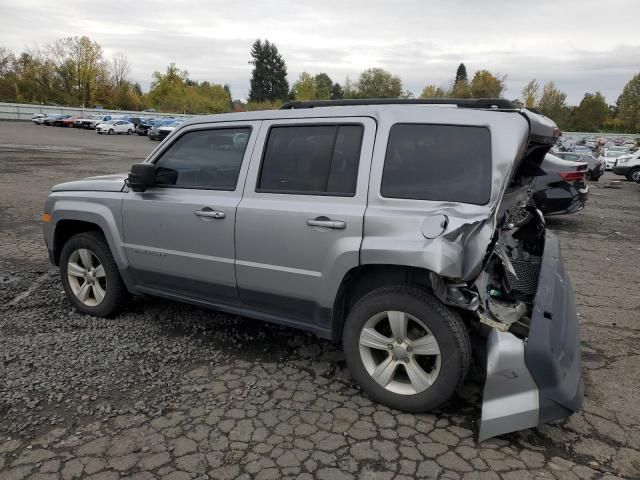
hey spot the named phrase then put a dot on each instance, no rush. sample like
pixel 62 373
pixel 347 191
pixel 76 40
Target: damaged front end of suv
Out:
pixel 520 299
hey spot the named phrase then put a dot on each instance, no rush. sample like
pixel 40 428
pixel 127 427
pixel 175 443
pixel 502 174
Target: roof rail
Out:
pixel 484 103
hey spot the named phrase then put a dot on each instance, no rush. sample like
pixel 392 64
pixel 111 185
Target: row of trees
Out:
pixel 75 71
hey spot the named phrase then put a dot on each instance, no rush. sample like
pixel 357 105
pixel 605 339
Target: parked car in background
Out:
pixel 610 157
pixel 115 126
pixel 629 166
pixel 87 121
pixel 135 120
pixel 595 167
pixel 161 132
pixel 143 128
pixel 581 149
pixel 101 119
pixel 52 119
pixel 562 188
pixel 617 148
pixel 39 118
pixel 65 121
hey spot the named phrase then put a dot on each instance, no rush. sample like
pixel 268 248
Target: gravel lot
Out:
pixel 178 392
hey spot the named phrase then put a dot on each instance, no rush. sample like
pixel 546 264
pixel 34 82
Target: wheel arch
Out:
pixel 360 280
pixel 67 228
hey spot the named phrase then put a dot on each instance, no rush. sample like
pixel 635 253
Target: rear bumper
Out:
pixel 540 380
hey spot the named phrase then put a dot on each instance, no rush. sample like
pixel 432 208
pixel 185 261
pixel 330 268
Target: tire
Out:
pixel 110 132
pixel 129 132
pixel 114 291
pixel 634 174
pixel 445 325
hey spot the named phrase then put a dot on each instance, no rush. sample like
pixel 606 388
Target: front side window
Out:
pixel 205 159
pixel 438 162
pixel 311 160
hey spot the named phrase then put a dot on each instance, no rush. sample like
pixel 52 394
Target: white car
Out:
pixel 115 126
pixel 39 120
pixel 617 148
pixel 610 158
pixel 629 166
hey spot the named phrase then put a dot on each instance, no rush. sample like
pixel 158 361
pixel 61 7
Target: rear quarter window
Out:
pixel 438 162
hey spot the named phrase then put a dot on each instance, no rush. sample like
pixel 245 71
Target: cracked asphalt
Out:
pixel 178 392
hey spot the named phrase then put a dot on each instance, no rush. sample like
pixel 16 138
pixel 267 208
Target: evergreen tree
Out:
pixel 461 75
pixel 269 75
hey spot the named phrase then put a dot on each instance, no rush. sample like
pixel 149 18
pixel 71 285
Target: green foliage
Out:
pixel 378 83
pixel 591 114
pixel 530 94
pixel 336 92
pixel 305 87
pixel 174 91
pixel 552 103
pixel 269 75
pixel 252 106
pixel 629 105
pixel 431 91
pixel 324 86
pixel 460 89
pixel 487 85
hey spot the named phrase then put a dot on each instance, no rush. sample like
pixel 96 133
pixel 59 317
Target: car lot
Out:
pixel 177 390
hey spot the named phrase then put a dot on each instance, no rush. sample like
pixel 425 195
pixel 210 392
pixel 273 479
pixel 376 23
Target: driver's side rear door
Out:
pixel 179 235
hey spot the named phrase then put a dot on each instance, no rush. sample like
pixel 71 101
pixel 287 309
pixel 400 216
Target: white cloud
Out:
pixel 580 44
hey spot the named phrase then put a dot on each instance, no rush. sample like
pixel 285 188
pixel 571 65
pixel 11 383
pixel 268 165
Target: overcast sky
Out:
pixel 583 45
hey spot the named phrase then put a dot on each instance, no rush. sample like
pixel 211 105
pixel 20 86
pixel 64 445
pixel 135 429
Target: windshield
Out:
pixel 614 154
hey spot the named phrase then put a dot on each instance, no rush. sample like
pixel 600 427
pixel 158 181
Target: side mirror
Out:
pixel 142 176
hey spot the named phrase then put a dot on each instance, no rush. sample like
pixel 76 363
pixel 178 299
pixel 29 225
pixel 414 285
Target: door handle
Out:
pixel 209 213
pixel 326 222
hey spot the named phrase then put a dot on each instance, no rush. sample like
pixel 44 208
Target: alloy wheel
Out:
pixel 87 277
pixel 400 352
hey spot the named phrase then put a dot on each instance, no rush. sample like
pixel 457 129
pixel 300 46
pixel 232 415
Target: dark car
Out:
pixel 143 127
pixel 561 187
pixel 135 120
pixel 595 167
pixel 52 119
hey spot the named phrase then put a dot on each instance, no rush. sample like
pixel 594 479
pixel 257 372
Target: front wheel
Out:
pixel 405 349
pixel 90 276
pixel 110 132
pixel 129 132
pixel 634 174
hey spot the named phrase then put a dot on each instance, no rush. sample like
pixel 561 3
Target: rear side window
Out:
pixel 311 160
pixel 204 159
pixel 438 162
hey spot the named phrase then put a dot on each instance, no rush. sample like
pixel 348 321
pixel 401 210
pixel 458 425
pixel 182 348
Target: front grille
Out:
pixel 527 280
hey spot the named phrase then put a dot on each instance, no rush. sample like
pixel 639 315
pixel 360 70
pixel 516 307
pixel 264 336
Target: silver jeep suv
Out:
pixel 402 228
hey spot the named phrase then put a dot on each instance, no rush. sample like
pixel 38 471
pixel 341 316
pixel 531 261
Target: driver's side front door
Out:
pixel 179 235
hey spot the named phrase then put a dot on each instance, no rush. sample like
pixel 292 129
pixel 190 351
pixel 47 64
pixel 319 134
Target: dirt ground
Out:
pixel 178 392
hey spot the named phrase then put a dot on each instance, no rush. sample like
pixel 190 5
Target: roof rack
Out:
pixel 483 103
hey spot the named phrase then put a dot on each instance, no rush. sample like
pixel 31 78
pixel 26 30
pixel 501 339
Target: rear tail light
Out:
pixel 572 176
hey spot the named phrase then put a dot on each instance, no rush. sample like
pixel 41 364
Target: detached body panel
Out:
pixel 540 380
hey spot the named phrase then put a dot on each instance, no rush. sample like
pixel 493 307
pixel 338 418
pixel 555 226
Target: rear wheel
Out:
pixel 90 275
pixel 405 349
pixel 129 132
pixel 634 174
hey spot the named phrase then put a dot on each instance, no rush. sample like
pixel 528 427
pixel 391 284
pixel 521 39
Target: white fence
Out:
pixel 21 111
pixel 579 135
